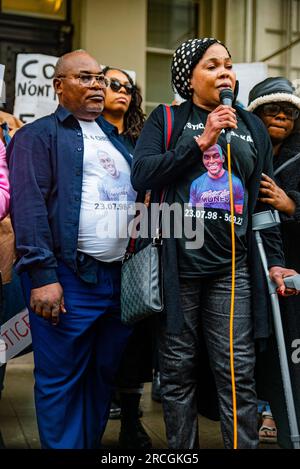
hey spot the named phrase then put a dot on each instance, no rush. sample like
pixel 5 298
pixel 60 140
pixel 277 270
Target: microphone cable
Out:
pixel 226 98
pixel 231 320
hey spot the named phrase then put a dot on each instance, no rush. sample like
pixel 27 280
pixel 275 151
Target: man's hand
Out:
pixel 275 196
pixel 277 274
pixel 48 302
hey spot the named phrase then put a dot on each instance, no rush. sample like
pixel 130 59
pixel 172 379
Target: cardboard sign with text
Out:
pixel 15 336
pixel 249 74
pixel 34 92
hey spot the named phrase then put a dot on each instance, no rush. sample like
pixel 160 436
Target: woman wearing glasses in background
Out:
pixel 123 109
pixel 275 102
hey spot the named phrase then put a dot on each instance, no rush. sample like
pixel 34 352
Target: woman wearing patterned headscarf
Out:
pixel 197 271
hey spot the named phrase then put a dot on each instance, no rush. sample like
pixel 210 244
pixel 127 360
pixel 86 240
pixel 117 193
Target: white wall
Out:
pixel 115 33
pixel 236 29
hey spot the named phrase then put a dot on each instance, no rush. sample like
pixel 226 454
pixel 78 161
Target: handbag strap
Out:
pixel 287 163
pixel 168 113
pixel 168 124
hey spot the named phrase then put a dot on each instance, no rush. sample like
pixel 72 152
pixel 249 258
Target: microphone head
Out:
pixel 226 96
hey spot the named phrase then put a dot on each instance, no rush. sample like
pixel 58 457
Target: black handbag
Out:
pixel 141 283
pixel 141 274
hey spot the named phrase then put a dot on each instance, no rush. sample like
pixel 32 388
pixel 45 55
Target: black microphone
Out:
pixel 226 98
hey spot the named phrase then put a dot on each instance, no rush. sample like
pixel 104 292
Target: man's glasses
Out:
pixel 116 85
pixel 87 79
pixel 273 110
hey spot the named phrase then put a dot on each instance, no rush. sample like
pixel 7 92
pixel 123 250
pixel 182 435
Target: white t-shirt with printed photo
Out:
pixel 108 199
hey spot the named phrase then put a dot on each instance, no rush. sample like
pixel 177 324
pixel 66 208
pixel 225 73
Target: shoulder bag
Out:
pixel 141 274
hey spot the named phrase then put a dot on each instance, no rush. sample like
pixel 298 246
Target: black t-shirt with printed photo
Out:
pixel 205 202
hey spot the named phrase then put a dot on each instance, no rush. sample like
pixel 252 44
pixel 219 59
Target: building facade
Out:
pixel 141 35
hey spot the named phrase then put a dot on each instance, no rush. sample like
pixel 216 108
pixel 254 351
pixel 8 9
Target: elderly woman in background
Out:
pixel 275 102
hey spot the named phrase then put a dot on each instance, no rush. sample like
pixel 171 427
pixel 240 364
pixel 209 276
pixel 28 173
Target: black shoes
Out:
pixel 155 391
pixel 134 436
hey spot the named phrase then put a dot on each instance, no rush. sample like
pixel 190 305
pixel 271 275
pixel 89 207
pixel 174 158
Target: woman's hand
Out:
pixel 277 274
pixel 222 117
pixel 275 196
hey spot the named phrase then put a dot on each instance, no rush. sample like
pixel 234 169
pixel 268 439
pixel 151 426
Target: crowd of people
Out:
pixel 74 178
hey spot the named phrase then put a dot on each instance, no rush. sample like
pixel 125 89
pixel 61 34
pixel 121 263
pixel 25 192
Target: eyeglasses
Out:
pixel 86 79
pixel 116 85
pixel 214 156
pixel 274 109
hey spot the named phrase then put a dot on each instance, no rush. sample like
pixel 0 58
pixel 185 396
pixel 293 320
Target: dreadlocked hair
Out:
pixel 134 118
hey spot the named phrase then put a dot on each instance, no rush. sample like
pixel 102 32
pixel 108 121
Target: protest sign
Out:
pixel 15 336
pixel 249 74
pixel 34 92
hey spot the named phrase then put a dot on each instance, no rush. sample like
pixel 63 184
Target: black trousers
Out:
pixel 208 302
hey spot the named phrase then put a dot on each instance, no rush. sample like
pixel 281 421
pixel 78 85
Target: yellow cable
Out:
pixel 232 300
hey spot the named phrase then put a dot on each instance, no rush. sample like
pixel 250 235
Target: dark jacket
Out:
pixel 154 168
pixel 269 380
pixel 289 178
pixel 46 165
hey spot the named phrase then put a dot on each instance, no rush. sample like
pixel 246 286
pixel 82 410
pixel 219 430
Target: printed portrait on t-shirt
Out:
pixel 211 189
pixel 116 184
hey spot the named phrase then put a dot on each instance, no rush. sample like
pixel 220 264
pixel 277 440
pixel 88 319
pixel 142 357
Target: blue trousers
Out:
pixel 76 361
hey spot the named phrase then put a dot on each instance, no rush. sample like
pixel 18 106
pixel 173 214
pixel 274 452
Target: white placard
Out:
pixel 15 336
pixel 249 74
pixel 2 87
pixel 132 75
pixel 34 92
